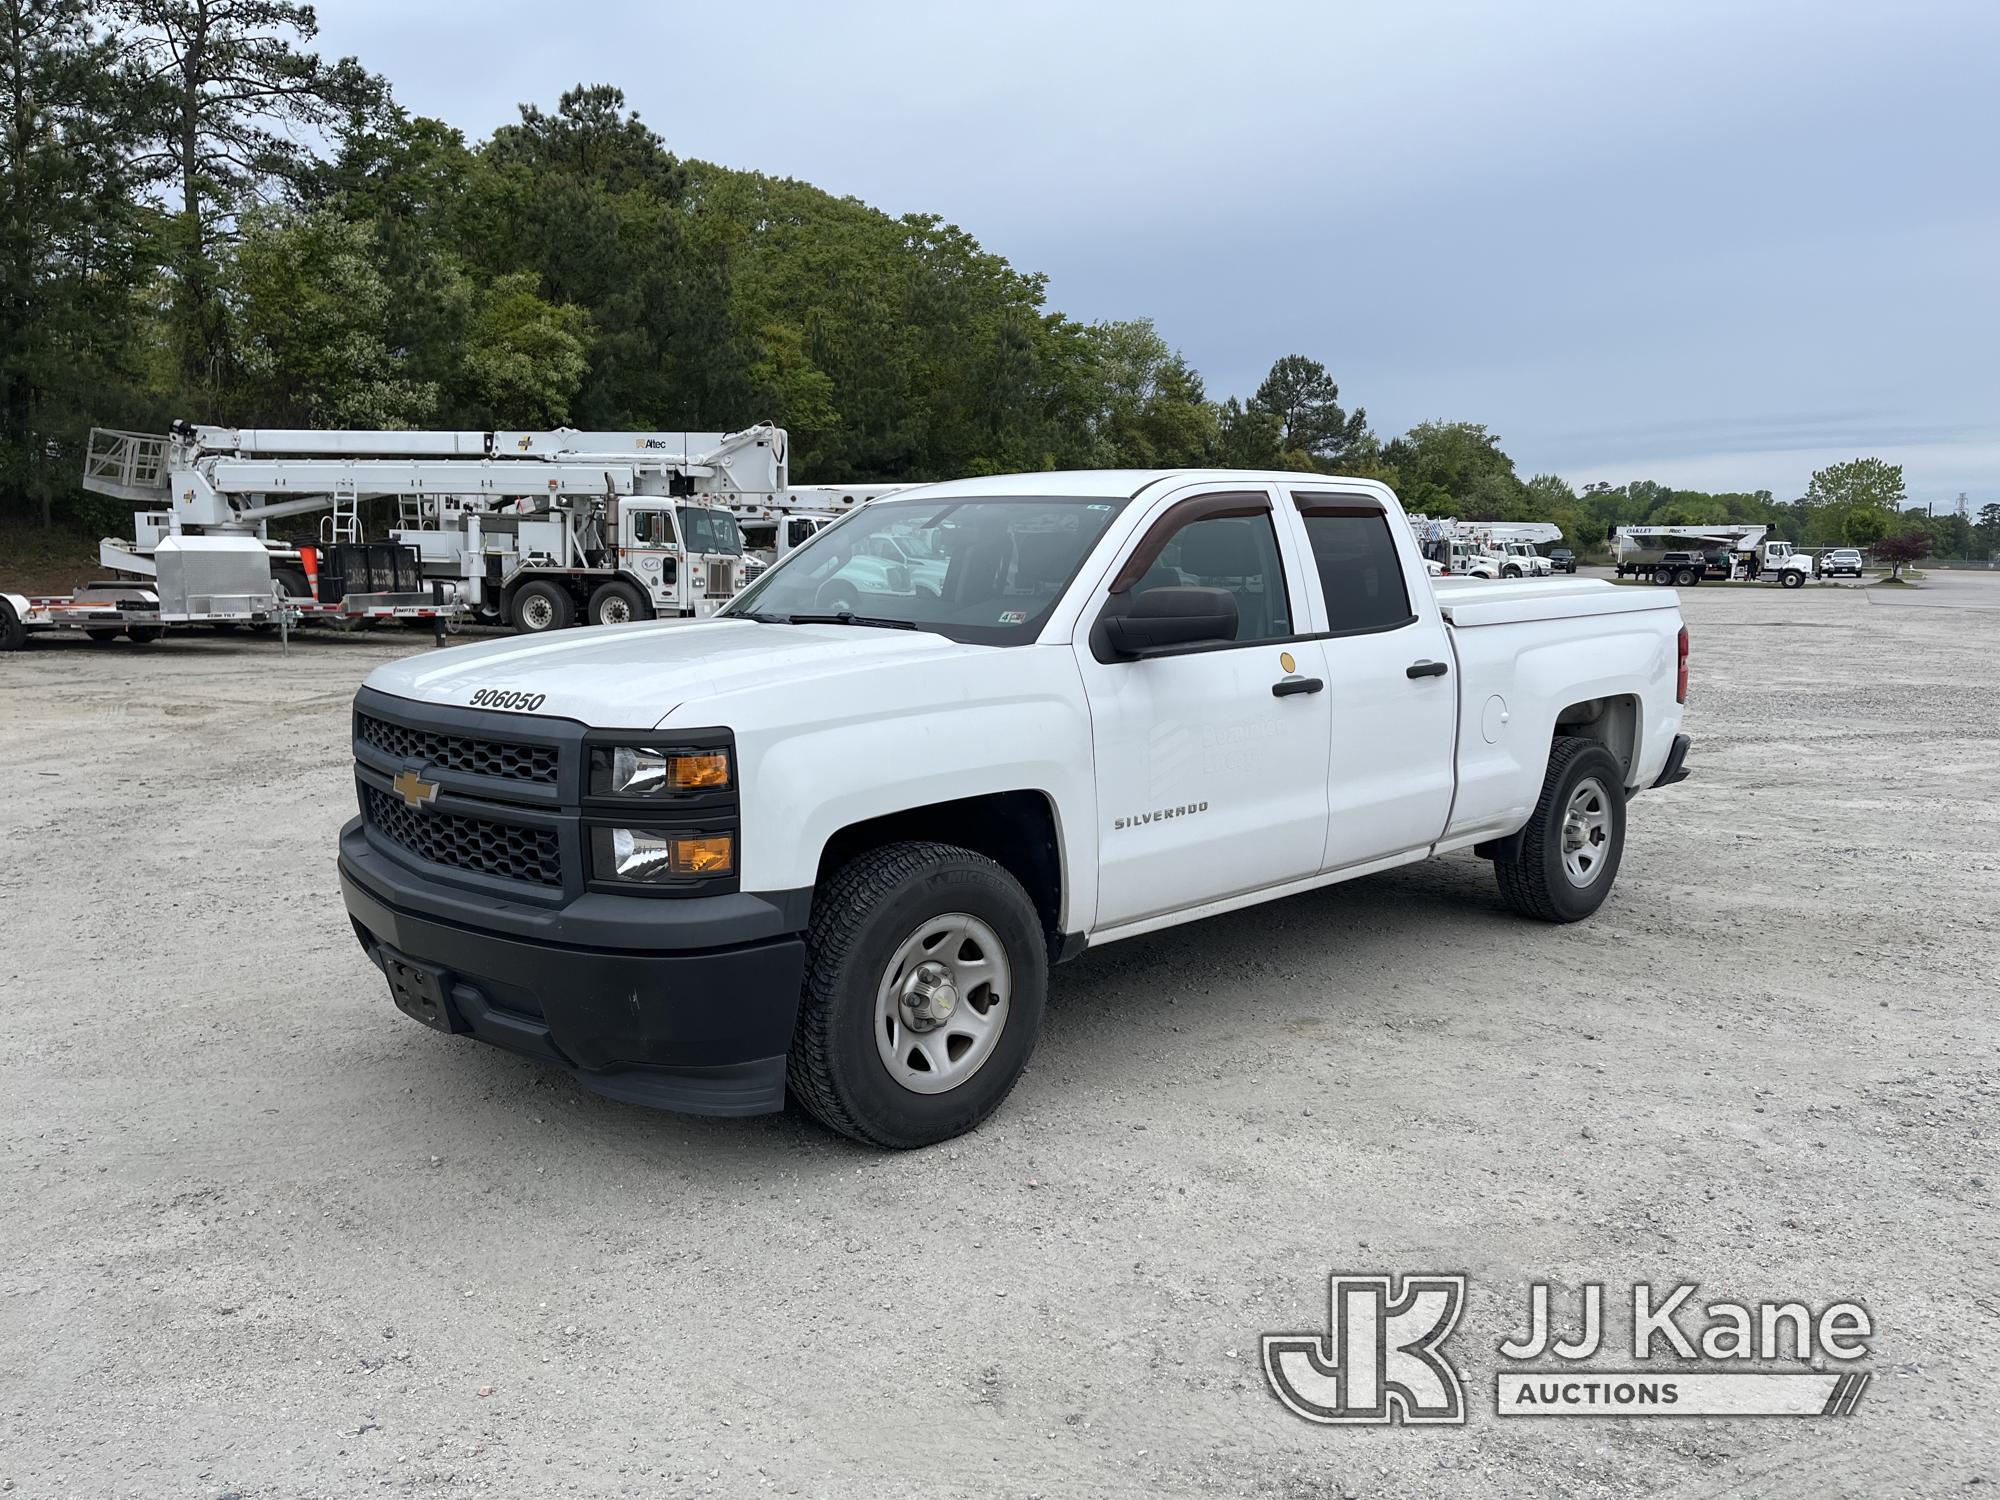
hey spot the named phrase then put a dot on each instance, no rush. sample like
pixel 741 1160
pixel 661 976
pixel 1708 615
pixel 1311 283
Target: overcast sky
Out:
pixel 1717 245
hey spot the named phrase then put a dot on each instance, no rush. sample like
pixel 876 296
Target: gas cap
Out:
pixel 1494 719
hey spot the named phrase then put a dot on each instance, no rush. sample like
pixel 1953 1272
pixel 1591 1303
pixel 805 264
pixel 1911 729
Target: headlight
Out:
pixel 643 771
pixel 652 856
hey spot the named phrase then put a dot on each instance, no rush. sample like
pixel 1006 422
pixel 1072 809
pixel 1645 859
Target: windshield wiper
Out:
pixel 877 621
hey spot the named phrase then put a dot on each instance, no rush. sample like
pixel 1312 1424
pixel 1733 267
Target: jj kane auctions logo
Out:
pixel 1381 1359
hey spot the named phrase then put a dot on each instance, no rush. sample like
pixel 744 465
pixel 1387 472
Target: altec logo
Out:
pixel 1380 1361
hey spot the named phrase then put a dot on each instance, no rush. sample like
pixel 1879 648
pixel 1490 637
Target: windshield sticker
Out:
pixel 1013 617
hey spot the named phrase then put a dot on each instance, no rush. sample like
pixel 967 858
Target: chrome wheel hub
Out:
pixel 1586 832
pixel 942 1003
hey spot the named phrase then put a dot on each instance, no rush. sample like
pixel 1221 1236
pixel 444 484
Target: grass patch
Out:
pixel 34 561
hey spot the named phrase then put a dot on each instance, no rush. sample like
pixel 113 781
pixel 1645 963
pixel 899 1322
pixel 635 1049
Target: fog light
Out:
pixel 642 854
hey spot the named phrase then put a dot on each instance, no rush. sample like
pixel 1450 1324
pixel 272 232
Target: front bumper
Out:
pixel 684 1004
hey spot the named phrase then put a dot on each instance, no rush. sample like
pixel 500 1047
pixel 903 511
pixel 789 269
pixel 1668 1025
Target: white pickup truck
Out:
pixel 830 840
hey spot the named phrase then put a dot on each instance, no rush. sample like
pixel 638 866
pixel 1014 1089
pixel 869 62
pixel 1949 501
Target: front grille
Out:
pixel 477 844
pixel 721 577
pixel 457 752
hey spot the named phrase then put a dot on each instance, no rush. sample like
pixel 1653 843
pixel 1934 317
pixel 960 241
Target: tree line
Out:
pixel 201 217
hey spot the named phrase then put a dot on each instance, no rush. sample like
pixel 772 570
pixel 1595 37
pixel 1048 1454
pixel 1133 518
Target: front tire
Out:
pixel 1793 579
pixel 1570 850
pixel 926 976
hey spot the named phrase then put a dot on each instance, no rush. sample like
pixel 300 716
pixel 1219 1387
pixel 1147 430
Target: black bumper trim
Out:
pixel 1675 768
pixel 594 920
pixel 704 1030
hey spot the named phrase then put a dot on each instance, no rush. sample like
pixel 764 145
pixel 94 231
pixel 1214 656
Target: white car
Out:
pixel 831 854
pixel 1841 560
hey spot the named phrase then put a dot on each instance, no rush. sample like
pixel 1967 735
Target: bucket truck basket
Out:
pixel 127 465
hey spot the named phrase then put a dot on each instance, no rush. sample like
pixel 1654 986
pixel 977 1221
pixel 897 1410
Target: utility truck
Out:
pixel 772 525
pixel 829 849
pixel 533 529
pixel 1681 555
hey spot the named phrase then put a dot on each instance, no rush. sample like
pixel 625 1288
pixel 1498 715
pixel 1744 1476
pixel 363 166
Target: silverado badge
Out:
pixel 414 790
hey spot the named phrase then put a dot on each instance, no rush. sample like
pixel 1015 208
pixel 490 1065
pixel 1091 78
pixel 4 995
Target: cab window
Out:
pixel 1234 552
pixel 1360 575
pixel 649 528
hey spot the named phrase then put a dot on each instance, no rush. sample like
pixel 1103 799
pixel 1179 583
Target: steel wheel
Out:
pixel 537 613
pixel 1586 831
pixel 942 1003
pixel 616 611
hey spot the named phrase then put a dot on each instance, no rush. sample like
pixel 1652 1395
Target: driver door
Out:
pixel 1211 759
pixel 647 544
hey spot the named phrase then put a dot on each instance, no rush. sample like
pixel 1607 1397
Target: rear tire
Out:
pixel 618 604
pixel 539 607
pixel 1685 577
pixel 13 634
pixel 101 636
pixel 1570 851
pixel 143 635
pixel 857 1064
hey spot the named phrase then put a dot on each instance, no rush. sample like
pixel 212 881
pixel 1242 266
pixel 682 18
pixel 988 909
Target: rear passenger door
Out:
pixel 1391 682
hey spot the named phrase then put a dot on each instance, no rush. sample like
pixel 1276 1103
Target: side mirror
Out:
pixel 1164 617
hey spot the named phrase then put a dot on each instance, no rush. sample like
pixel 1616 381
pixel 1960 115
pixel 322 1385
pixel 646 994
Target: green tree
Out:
pixel 1247 437
pixel 590 200
pixel 1449 467
pixel 1858 482
pixel 1304 399
pixel 1864 525
pixel 1986 532
pixel 70 243
pixel 525 358
pixel 232 99
pixel 311 337
pixel 1155 410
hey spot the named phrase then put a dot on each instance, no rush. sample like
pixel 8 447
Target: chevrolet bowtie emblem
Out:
pixel 414 790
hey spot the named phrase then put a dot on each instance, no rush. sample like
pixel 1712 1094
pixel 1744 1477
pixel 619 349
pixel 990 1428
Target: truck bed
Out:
pixel 1470 602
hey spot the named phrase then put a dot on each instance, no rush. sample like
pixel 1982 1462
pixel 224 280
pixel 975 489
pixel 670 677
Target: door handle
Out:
pixel 1427 669
pixel 1293 685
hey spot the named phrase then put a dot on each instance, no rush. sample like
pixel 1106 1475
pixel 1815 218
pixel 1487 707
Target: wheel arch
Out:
pixel 1018 829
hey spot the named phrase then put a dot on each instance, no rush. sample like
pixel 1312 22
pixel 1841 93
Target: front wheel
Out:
pixel 1793 580
pixel 1570 850
pixel 926 974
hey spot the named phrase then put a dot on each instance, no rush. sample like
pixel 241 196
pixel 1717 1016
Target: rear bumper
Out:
pixel 1676 767
pixel 661 1010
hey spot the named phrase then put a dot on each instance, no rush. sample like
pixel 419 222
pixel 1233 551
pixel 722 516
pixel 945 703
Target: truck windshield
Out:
pixel 986 570
pixel 705 530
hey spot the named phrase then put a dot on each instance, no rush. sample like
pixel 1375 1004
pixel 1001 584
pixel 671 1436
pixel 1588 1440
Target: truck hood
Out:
pixel 634 676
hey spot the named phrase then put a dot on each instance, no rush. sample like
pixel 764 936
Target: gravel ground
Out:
pixel 262 1236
